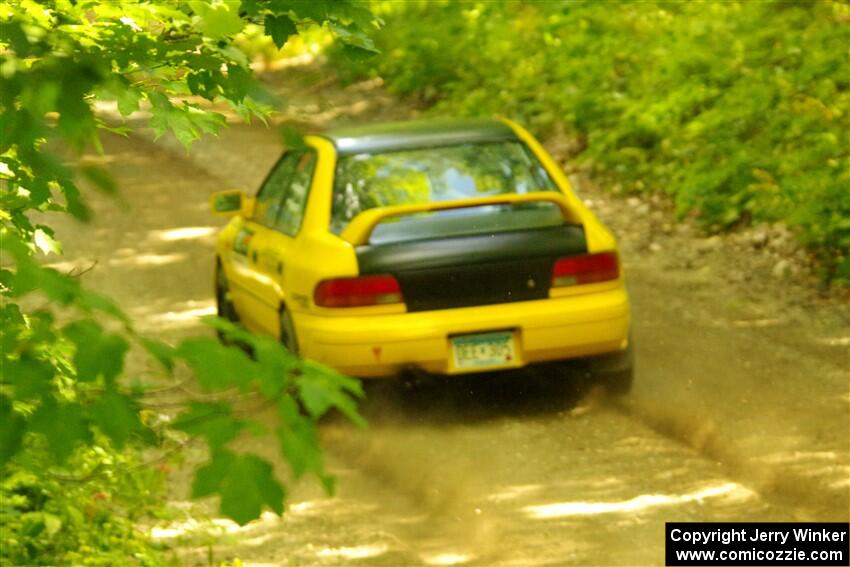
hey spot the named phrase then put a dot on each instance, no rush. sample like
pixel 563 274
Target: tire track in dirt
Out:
pixel 774 413
pixel 476 468
pixel 811 499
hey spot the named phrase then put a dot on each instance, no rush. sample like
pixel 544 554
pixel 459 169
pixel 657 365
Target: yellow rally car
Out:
pixel 444 246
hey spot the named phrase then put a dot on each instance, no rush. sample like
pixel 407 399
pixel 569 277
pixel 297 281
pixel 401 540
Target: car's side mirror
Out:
pixel 230 203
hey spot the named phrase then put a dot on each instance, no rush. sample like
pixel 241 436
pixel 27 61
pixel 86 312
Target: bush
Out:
pixel 84 518
pixel 737 110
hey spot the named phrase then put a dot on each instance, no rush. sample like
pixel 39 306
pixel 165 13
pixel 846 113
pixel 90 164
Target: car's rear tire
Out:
pixel 614 372
pixel 288 336
pixel 223 303
pixel 617 384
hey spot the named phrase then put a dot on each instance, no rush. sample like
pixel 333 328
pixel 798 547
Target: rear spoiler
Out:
pixel 360 228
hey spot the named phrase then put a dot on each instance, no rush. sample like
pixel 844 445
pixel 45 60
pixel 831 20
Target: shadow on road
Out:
pixel 434 399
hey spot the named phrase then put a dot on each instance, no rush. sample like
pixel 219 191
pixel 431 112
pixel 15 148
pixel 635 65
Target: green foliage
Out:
pixel 83 518
pixel 280 28
pixel 281 380
pixel 246 484
pixel 738 110
pixel 72 431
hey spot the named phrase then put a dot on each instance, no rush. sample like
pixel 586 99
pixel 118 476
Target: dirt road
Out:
pixel 741 408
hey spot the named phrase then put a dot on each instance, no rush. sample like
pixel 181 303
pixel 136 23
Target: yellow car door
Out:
pixel 252 292
pixel 275 230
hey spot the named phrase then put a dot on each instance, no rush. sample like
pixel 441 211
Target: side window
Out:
pixel 295 197
pixel 271 194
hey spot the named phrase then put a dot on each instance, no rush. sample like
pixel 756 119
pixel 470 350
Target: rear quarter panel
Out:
pixel 599 238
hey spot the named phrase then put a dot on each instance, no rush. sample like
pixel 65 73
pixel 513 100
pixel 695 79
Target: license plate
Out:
pixel 484 350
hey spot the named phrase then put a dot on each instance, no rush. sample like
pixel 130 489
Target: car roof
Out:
pixel 394 136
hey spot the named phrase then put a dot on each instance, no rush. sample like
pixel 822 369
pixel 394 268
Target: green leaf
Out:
pixel 322 388
pixel 100 178
pixel 159 350
pixel 358 13
pixel 218 19
pixel 201 82
pixel 52 524
pixel 93 301
pixel 186 122
pixel 117 416
pixel 292 138
pixel 97 353
pixel 39 192
pixel 278 365
pixel 239 81
pixel 246 484
pixel 299 443
pixel 128 101
pixel 288 409
pixel 357 54
pixel 232 331
pixel 58 287
pixel 316 396
pixel 316 10
pixel 12 428
pixel 351 36
pixel 251 7
pixel 208 477
pixel 63 425
pixel 30 377
pixel 212 421
pixel 74 203
pixel 217 366
pixel 43 240
pixel 160 110
pixel 280 28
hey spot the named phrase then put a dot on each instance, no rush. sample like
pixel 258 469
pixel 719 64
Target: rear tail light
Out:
pixel 358 292
pixel 590 268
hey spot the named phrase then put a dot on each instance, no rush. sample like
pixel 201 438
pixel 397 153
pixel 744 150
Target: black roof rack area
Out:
pixel 395 136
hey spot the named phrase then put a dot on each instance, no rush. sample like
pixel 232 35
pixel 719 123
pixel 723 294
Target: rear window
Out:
pixel 366 181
